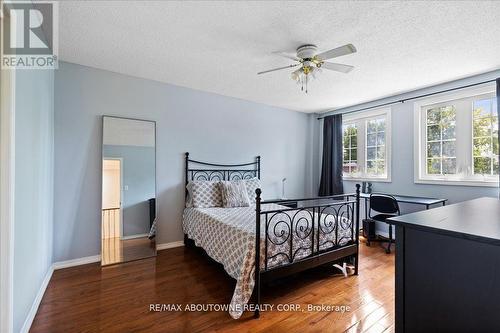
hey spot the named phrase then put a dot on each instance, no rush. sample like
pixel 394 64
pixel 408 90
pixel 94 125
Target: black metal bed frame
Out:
pixel 318 216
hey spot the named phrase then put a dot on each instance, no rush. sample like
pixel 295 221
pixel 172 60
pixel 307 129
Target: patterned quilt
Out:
pixel 228 237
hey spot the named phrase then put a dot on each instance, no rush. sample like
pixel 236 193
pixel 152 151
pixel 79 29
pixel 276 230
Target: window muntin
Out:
pixel 350 154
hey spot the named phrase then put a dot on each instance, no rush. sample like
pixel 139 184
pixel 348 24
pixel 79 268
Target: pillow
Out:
pixel 252 184
pixel 202 194
pixel 234 194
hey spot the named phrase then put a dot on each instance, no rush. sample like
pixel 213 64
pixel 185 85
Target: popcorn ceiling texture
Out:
pixel 220 46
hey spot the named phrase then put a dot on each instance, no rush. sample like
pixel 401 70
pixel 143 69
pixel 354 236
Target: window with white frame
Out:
pixel 457 138
pixel 441 140
pixel 485 137
pixel 375 146
pixel 350 143
pixel 366 143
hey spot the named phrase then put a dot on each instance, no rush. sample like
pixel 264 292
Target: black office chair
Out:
pixel 385 206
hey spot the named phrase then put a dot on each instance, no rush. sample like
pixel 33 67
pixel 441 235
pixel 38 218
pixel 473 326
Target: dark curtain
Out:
pixel 498 108
pixel 331 169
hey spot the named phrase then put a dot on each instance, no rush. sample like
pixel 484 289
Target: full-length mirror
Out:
pixel 128 225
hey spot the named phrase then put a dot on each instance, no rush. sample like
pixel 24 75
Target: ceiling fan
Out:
pixel 311 62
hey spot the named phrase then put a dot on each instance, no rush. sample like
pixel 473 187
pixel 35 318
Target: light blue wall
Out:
pixel 211 127
pixel 138 170
pixel 402 152
pixel 33 219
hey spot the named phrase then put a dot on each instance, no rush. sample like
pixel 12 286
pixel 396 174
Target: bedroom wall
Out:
pixel 33 198
pixel 402 152
pixel 211 127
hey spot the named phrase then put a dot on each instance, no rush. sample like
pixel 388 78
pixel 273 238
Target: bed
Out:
pixel 286 240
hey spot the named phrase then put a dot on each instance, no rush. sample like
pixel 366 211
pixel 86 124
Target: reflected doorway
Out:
pixel 112 223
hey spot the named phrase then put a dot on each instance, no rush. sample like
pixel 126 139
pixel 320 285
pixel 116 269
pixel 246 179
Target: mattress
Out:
pixel 228 236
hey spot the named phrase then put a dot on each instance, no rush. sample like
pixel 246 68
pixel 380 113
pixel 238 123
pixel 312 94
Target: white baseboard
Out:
pixel 134 236
pixel 38 299
pixel 71 263
pixel 76 262
pixel 170 245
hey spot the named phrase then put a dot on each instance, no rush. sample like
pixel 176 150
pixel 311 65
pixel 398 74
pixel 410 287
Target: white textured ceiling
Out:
pixel 220 46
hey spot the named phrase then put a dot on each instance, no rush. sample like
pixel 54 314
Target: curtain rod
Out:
pixel 416 97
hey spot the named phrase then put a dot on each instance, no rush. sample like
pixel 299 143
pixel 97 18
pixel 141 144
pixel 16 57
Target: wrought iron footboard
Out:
pixel 319 231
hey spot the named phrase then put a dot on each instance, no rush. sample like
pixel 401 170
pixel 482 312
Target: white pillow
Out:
pixel 234 194
pixel 252 184
pixel 202 194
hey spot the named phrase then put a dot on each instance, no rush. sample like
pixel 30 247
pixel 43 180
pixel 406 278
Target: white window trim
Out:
pixel 363 115
pixel 419 162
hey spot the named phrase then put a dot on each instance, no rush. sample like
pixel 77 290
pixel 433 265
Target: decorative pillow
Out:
pixel 252 184
pixel 234 194
pixel 202 194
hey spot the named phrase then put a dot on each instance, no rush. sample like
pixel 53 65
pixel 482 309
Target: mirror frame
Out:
pixel 103 117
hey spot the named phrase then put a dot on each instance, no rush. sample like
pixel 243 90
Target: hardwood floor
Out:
pixel 117 298
pixel 115 250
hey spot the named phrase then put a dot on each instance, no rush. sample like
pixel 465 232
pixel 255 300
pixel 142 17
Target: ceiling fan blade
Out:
pixel 283 54
pixel 337 67
pixel 337 52
pixel 277 69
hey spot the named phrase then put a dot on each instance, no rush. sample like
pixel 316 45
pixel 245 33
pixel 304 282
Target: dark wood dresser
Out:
pixel 448 268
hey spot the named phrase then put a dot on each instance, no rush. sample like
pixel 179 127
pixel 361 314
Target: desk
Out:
pixel 291 204
pixel 424 201
pixel 427 202
pixel 448 268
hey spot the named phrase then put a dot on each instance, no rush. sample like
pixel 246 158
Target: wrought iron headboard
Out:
pixel 212 171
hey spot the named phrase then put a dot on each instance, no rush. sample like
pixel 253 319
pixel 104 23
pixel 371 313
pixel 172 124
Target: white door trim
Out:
pixel 7 173
pixel 121 191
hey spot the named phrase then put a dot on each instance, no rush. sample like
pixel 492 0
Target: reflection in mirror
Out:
pixel 128 225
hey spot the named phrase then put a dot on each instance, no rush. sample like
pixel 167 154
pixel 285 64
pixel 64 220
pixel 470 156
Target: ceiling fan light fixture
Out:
pixel 312 63
pixel 296 74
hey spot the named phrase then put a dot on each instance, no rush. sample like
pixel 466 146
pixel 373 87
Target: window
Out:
pixel 457 138
pixel 366 142
pixel 485 137
pixel 375 146
pixel 350 142
pixel 441 140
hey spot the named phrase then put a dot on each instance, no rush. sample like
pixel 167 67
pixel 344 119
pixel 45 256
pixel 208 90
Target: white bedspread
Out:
pixel 228 237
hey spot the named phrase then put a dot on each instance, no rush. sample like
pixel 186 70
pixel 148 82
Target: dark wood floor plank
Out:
pixel 89 298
